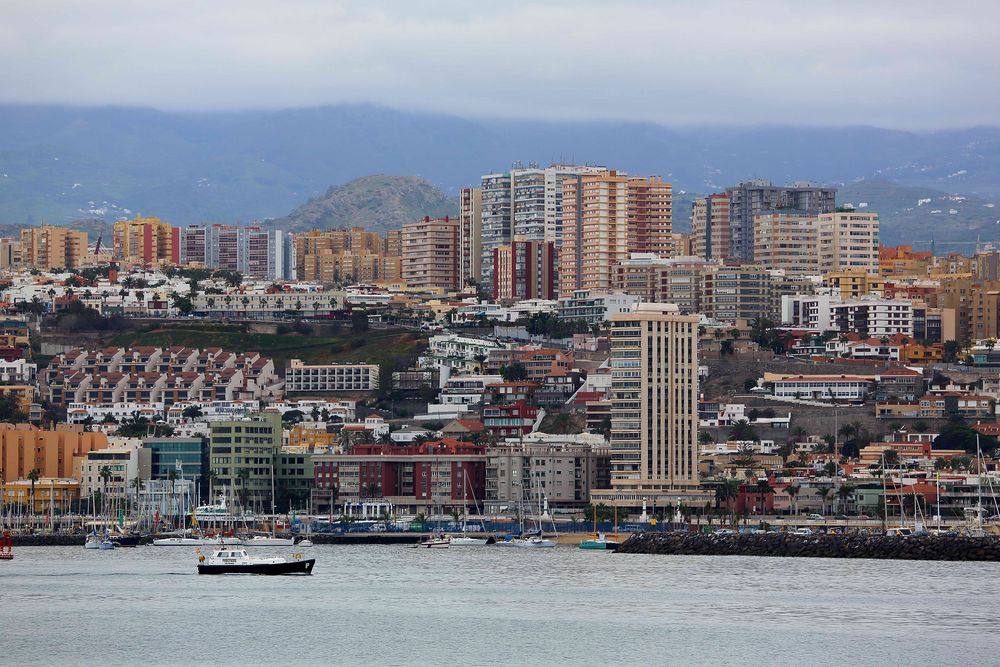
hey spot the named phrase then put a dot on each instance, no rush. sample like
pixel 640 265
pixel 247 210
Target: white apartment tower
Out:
pixel 524 203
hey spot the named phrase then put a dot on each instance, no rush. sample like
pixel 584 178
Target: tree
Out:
pixel 793 493
pixel 33 475
pixel 824 493
pixel 742 430
pixel 10 410
pixel 192 412
pixel 951 350
pixel 561 423
pixel 105 474
pixel 515 372
pixel 705 438
pixel 744 457
pixel 292 417
pixel 749 384
pixel 890 458
pixel 359 321
pixel 920 426
pixel 726 347
pixel 243 476
pixel 763 488
pixel 844 492
pixel 956 434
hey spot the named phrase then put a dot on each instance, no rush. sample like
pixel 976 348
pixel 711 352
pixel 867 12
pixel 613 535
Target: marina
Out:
pixel 387 604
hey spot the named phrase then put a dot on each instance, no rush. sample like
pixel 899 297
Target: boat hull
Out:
pixel 469 541
pixel 599 545
pixel 290 567
pixel 270 542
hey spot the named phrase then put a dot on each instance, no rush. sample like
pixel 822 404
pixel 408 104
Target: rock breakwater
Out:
pixel 816 546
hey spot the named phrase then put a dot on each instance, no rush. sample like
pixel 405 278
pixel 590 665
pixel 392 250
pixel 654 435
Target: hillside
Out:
pixel 912 214
pixel 60 164
pixel 377 203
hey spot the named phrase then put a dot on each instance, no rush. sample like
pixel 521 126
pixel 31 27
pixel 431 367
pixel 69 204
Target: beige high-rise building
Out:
pixel 337 255
pixel 711 237
pixel 848 240
pixel 10 252
pixel 50 247
pixel 146 241
pixel 471 234
pixel 654 405
pixel 431 254
pixel 607 216
pixel 786 241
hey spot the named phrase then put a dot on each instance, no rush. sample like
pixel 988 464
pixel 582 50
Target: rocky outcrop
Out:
pixel 815 546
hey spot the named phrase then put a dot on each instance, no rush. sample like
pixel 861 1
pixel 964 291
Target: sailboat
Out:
pixel 465 539
pixel 271 540
pixel 600 541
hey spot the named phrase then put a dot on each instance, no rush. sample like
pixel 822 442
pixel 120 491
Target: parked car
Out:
pixel 816 517
pixel 802 531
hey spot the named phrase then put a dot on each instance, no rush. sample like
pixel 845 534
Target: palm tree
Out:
pixel 742 430
pixel 843 493
pixel 890 457
pixel 799 434
pixel 823 493
pixel 744 457
pixel 763 488
pixel 33 475
pixel 385 439
pixel 705 438
pixel 243 476
pixel 346 439
pixel 793 492
pixel 136 484
pixel 105 475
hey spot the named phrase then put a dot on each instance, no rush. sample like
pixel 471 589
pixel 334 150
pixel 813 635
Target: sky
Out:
pixel 899 64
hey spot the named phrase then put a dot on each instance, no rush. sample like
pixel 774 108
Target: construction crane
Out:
pixel 97 247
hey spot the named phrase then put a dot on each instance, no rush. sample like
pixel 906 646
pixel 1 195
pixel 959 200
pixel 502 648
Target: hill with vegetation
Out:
pixel 377 203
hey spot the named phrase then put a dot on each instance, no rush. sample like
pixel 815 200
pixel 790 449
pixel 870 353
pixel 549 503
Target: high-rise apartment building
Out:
pixel 49 247
pixel 787 241
pixel 252 251
pixel 848 240
pixel 654 406
pixel 431 254
pixel 471 234
pixel 711 237
pixel 146 241
pixel 524 203
pixel 741 292
pixel 607 216
pixel 654 279
pixel 334 255
pixel 524 270
pixel 752 198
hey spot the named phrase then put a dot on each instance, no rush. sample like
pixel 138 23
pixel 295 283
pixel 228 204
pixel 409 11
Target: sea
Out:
pixel 393 605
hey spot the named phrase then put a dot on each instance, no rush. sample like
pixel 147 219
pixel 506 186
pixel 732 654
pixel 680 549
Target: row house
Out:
pixel 939 406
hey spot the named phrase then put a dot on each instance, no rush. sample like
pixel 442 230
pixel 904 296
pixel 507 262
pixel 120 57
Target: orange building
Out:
pixel 902 261
pixel 50 247
pixel 146 241
pixel 24 448
pixel 606 217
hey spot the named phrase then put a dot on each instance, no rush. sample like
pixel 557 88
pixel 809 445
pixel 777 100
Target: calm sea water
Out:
pixel 391 605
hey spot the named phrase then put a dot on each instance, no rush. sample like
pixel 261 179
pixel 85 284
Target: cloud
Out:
pixel 892 64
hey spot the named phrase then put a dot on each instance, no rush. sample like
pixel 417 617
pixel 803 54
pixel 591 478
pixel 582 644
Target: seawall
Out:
pixel 815 546
pixel 68 540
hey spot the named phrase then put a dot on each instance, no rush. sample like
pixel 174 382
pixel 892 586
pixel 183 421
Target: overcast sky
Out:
pixel 906 64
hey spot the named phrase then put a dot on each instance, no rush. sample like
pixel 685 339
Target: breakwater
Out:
pixel 816 546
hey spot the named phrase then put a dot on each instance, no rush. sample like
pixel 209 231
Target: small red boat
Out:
pixel 6 553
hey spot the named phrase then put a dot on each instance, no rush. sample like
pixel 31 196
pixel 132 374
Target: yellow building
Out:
pixel 48 247
pixel 60 495
pixel 335 255
pixel 302 438
pixel 854 283
pixel 25 395
pixel 788 241
pixel 146 241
